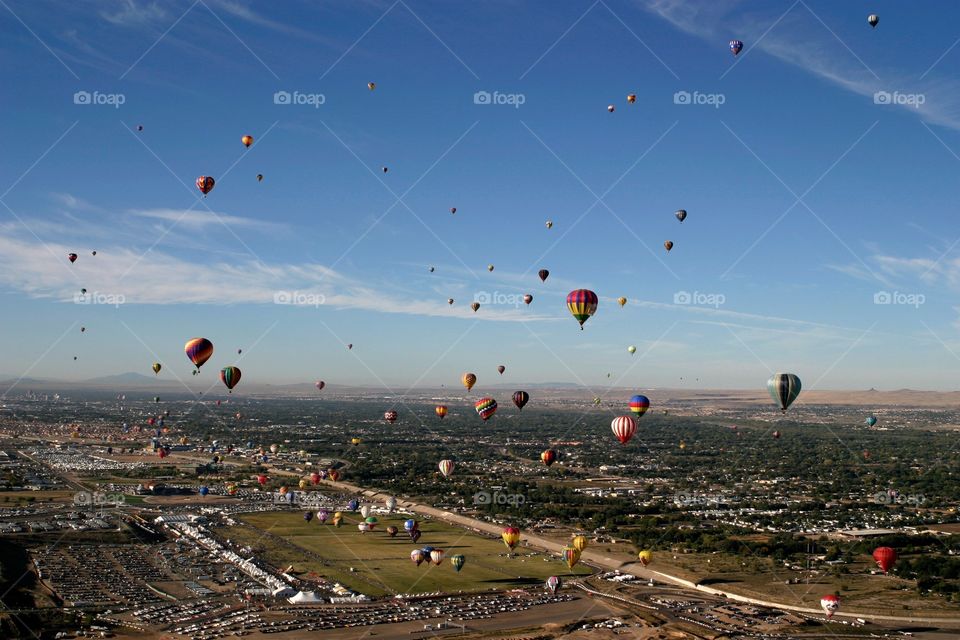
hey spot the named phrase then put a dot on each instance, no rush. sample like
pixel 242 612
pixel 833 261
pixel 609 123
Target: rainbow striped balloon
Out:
pixel 485 407
pixel 582 304
pixel 230 376
pixel 639 405
pixel 198 350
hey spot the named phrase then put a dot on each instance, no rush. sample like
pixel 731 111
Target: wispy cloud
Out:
pixel 802 40
pixel 195 219
pixel 133 12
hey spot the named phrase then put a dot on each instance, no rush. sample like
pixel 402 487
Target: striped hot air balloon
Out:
pixel 571 556
pixel 784 389
pixel 548 457
pixel 624 427
pixel 639 405
pixel 582 304
pixel 230 376
pixel 198 350
pixel 521 398
pixel 390 416
pixel 446 468
pixel 457 561
pixel 554 583
pixel 392 531
pixel 511 537
pixel 468 380
pixel 440 410
pixel 436 556
pixel 418 556
pixel 485 407
pixel 735 47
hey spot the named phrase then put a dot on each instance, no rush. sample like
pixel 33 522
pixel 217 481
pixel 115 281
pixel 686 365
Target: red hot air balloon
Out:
pixel 548 457
pixel 885 557
pixel 230 376
pixel 205 184
pixel 501 369
pixel 830 603
pixel 315 478
pixel 485 407
pixel 333 474
pixel 624 427
pixel 527 298
pixel 390 416
pixel 199 351
pixel 543 273
pixel 72 257
pixel 521 398
pixel 440 410
pixel 262 479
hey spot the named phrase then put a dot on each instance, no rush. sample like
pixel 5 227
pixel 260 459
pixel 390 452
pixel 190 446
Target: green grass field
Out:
pixel 382 566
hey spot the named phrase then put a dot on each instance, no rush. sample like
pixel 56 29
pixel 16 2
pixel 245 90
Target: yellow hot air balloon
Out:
pixel 355 441
pixel 468 380
pixel 247 140
pixel 579 542
pixel 645 557
pixel 683 445
pixel 511 537
pixel 156 367
pixel 632 349
pixel 572 556
pixel 621 301
pixel 304 484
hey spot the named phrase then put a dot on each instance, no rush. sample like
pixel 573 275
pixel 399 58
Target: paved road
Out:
pixel 603 561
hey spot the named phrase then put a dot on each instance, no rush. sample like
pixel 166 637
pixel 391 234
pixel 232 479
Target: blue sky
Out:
pixel 806 198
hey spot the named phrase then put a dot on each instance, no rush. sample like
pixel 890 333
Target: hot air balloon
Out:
pixel 548 457
pixel 489 267
pixel 830 603
pixel 571 556
pixel 735 47
pixel 624 427
pixel 139 127
pixel 449 300
pixel 485 407
pixel 163 452
pixel 440 410
pixel 582 304
pixel 365 510
pixel 337 519
pixel 631 98
pixel 446 468
pixel 371 85
pixel 392 531
pixel 681 214
pixel 205 184
pixel 418 556
pixel 501 369
pixel 308 516
pixel 259 177
pixel 384 169
pixel 639 405
pixel 474 306
pixel 885 558
pixel 579 542
pixel 436 556
pixel 632 349
pixel 549 224
pixel 431 269
pixel 247 140
pixel 322 515
pixel 543 273
pixel 391 504
pixel 315 478
pixel 156 367
pixel 453 209
pixel 349 346
pixel 611 108
pixel 553 584
pixel 457 561
pixel 645 557
pixel 527 298
pixel 371 521
pixel 230 376
pixel 72 257
pixel 511 537
pixel 468 380
pixel 320 384
pixel 262 479
pixel 199 351
pixel 353 505
pixel 776 435
pixel 784 389
pixel 521 398
pixel 363 527
pixel 409 525
pixel 621 301
pixel 597 400
pixel 872 420
pixel 873 19
pixel 390 416
pixel 668 245
pixel 231 489
pixel 204 490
